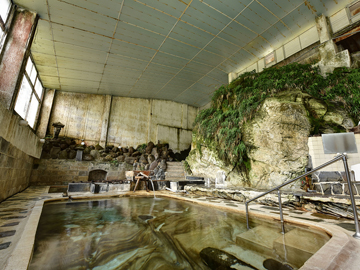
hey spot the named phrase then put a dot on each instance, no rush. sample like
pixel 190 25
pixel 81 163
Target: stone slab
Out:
pixel 79 187
pixel 259 239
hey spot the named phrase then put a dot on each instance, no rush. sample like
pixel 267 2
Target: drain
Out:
pixel 7 233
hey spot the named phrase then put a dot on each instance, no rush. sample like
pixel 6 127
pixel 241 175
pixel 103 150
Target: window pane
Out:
pixel 33 111
pixel 4 9
pixel 23 99
pixel 29 66
pixel 38 88
pixel 2 38
pixel 33 75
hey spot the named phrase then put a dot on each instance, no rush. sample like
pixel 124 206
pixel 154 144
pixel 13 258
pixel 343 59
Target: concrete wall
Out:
pixel 15 169
pixel 129 121
pixel 122 121
pixel 18 146
pixel 82 115
pixel 21 137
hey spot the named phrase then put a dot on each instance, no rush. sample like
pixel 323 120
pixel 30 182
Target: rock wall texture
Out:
pixel 276 140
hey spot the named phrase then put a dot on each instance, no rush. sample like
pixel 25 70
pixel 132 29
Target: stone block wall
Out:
pixel 333 183
pixel 15 169
pixel 61 172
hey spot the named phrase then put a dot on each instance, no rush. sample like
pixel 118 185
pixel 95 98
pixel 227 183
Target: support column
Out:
pixel 15 50
pixel 330 57
pixel 45 113
pixel 105 122
pixel 232 76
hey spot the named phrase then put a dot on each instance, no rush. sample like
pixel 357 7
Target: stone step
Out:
pixel 260 239
pixel 175 174
pixel 174 168
pixel 175 171
pixel 174 164
pixel 295 246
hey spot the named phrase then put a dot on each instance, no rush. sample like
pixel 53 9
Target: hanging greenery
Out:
pixel 220 126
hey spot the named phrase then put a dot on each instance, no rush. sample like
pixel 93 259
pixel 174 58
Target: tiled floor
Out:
pixel 14 213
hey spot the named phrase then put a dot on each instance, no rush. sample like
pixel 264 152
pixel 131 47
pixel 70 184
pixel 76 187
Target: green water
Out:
pixel 136 233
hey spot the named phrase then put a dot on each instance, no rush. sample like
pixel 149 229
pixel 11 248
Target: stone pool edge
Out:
pixel 335 254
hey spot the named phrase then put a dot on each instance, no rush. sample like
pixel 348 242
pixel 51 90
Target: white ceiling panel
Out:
pixel 229 8
pixel 80 53
pixel 204 17
pixel 80 38
pixel 209 58
pixel 176 50
pixel 66 14
pixel 47 71
pixel 146 17
pixel 222 47
pixel 138 36
pixel 132 50
pixel 169 60
pixel 198 67
pixel 191 35
pixel 108 8
pixel 44 59
pixel 179 49
pixel 78 64
pixel 218 75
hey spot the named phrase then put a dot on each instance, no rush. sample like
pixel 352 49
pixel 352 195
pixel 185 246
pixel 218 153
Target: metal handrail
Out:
pixel 347 174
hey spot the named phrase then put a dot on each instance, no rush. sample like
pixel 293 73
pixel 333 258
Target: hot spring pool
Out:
pixel 147 233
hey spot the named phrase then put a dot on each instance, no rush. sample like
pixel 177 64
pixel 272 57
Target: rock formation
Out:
pixel 276 140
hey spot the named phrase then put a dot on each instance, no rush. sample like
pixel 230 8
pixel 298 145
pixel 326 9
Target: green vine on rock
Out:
pixel 232 105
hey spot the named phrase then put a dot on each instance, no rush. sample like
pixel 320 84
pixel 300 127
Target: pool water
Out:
pixel 148 233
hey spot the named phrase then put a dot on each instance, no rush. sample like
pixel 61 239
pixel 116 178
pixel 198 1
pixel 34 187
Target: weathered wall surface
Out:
pixel 15 168
pixel 13 54
pixel 45 112
pixel 82 115
pixel 18 146
pixel 131 121
pixel 62 172
pixel 21 137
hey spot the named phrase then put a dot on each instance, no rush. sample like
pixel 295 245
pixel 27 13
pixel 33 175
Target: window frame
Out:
pixel 5 25
pixel 352 18
pixel 26 76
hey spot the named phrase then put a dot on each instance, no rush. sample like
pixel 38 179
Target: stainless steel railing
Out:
pixel 342 157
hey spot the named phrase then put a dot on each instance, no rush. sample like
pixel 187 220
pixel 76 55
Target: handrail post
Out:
pixel 281 213
pixel 353 204
pixel 247 216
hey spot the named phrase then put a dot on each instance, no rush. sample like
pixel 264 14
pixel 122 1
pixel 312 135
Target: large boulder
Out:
pixel 276 140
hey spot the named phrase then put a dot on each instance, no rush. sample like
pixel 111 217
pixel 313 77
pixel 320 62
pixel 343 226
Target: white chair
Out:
pixel 356 170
